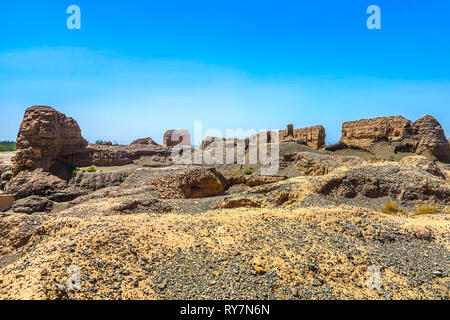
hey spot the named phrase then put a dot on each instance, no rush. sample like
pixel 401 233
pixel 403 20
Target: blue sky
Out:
pixel 138 68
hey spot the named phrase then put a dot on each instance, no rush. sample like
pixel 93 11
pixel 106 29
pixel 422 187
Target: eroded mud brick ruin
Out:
pixel 175 137
pixel 313 136
pixel 49 140
pixel 164 230
pixel 424 136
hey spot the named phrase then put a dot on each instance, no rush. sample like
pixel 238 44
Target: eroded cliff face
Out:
pixel 47 139
pixel 425 136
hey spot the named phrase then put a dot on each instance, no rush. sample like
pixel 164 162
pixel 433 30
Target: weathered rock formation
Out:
pixel 17 229
pixel 86 181
pixel 423 163
pixel 47 139
pixel 364 132
pixel 197 183
pixel 425 136
pixel 32 204
pixel 5 176
pixel 203 183
pixel 37 182
pixel 176 137
pixel 314 164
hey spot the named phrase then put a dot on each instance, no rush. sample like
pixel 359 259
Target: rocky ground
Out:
pixel 315 233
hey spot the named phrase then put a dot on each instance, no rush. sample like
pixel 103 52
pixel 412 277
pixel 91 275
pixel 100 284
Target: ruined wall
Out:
pixel 431 138
pixel 47 139
pixel 103 156
pixel 425 136
pixel 363 133
pixel 313 136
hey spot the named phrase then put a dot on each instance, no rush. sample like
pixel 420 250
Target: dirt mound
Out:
pixel 144 141
pixel 424 163
pixel 32 204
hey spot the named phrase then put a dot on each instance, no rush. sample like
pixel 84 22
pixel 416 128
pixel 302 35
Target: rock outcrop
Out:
pixel 44 184
pixel 176 137
pixel 32 204
pixel 5 176
pixel 203 183
pixel 49 140
pixel 37 182
pixel 425 136
pixel 197 183
pixel 401 182
pixel 86 181
pixel 364 132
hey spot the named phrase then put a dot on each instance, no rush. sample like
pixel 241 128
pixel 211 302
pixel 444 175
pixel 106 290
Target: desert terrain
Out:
pixel 5 157
pixel 366 218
